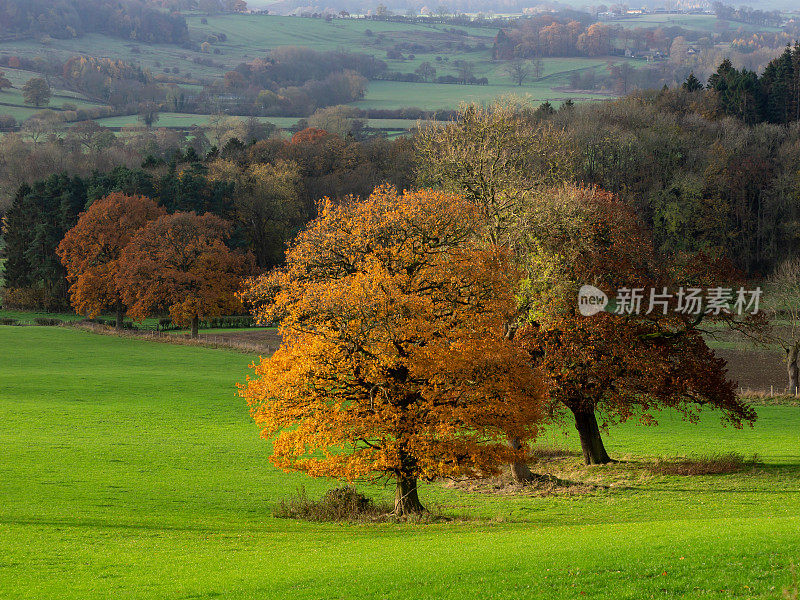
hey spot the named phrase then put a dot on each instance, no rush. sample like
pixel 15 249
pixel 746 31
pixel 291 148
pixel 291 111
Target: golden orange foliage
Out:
pixel 309 135
pixel 90 251
pixel 180 262
pixel 393 361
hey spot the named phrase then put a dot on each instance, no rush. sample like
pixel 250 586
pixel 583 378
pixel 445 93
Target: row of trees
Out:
pixel 266 190
pixel 745 14
pixel 127 255
pixel 64 19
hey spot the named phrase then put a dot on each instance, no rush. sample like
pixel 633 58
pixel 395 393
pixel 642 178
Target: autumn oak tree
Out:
pixel 180 262
pixel 562 237
pixel 393 361
pixel 91 251
pixel 615 366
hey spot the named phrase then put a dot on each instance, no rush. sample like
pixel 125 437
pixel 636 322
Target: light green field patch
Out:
pixel 132 469
pixel 395 94
pixel 706 23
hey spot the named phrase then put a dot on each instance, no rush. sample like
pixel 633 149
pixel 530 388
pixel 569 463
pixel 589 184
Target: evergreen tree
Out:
pixel 692 84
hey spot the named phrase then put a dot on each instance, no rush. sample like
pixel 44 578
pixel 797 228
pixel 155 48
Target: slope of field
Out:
pixel 12 102
pixel 706 23
pixel 250 36
pixel 132 469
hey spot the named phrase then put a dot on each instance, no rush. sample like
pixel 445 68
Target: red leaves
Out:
pixel 180 262
pixel 91 250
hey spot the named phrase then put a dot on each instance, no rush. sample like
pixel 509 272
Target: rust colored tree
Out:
pixel 91 251
pixel 180 263
pixel 393 362
pixel 628 363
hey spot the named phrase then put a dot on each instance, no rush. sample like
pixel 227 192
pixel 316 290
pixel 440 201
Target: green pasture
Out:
pixel 155 57
pixel 12 102
pixel 131 469
pixel 185 121
pixel 395 94
pixel 706 23
pixel 258 33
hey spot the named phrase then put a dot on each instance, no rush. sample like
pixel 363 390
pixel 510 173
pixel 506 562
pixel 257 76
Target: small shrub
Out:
pixel 24 298
pixel 339 504
pixel 8 321
pixel 715 464
pixel 47 321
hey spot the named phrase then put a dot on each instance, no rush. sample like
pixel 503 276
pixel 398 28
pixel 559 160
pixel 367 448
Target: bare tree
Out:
pixel 148 113
pixel 466 70
pixel 426 71
pixel 538 68
pixel 518 70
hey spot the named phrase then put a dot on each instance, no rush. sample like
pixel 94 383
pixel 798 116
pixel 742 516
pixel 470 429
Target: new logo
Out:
pixel 591 300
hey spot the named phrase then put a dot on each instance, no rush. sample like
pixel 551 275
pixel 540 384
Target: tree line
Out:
pixel 266 190
pixel 65 19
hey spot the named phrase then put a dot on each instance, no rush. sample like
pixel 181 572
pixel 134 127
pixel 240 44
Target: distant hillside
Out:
pixel 64 19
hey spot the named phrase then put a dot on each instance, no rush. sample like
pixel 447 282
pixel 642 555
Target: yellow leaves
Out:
pixel 393 358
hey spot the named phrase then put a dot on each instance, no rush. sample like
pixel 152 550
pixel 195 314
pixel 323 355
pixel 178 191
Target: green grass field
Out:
pixel 12 103
pixel 184 121
pixel 703 23
pixel 132 470
pixel 396 94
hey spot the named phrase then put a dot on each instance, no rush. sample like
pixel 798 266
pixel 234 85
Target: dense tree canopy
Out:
pixel 35 224
pixel 91 251
pixel 128 19
pixel 180 263
pixel 393 361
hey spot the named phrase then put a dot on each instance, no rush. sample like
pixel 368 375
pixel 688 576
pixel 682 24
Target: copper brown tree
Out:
pixel 91 251
pixel 180 263
pixel 393 363
pixel 630 362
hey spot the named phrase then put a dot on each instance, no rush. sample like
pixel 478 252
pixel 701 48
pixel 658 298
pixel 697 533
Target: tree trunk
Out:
pixel 195 326
pixel 594 453
pixel 406 501
pixel 120 317
pixel 519 470
pixel 792 368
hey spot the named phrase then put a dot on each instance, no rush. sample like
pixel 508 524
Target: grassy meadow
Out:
pixel 132 469
pixel 703 23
